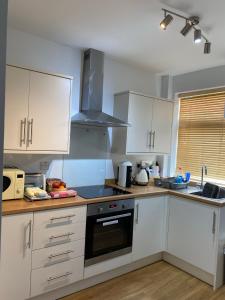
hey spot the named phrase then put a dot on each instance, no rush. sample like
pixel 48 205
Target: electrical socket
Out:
pixel 44 165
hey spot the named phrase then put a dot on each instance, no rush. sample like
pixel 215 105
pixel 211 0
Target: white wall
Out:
pixel 34 52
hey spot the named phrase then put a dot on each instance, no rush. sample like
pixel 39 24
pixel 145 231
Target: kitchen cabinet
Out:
pixel 192 232
pixel 16 108
pixel 15 266
pixel 162 126
pixel 149 227
pixel 151 124
pixel 37 112
pixel 58 248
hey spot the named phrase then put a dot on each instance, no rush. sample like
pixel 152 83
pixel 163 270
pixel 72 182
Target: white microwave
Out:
pixel 13 184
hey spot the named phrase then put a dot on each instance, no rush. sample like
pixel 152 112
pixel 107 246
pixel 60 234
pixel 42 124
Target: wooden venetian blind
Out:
pixel 201 136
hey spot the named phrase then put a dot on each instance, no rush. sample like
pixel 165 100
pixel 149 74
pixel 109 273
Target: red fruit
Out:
pixel 56 185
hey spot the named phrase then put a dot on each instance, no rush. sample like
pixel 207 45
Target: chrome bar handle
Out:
pixel 30 232
pixel 60 254
pixel 62 217
pixel 153 139
pixel 150 139
pixel 214 223
pixel 113 217
pixel 110 223
pixel 30 132
pixel 22 132
pixel 28 227
pixel 60 276
pixel 137 214
pixel 68 234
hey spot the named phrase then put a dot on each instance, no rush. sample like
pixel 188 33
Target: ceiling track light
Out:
pixel 197 36
pixel 207 47
pixel 190 24
pixel 186 29
pixel 166 21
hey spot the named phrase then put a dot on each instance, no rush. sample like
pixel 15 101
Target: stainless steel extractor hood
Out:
pixel 92 93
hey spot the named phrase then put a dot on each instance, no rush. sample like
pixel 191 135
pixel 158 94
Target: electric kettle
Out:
pixel 142 177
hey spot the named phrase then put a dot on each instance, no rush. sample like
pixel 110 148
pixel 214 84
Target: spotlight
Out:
pixel 188 26
pixel 166 21
pixel 197 36
pixel 207 47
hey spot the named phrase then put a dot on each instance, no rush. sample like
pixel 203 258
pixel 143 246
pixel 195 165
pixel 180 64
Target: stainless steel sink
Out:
pixel 211 191
pixel 199 193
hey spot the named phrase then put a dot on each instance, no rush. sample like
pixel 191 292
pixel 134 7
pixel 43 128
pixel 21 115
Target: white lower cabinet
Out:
pixel 47 279
pixel 58 235
pixel 192 232
pixel 52 255
pixel 15 264
pixel 31 265
pixel 58 248
pixel 149 226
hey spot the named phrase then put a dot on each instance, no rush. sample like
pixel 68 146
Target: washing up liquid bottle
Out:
pixel 179 177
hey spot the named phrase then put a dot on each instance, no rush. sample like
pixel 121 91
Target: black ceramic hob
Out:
pixel 97 191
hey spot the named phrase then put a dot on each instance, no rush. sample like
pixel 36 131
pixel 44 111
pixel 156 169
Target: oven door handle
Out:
pixel 110 223
pixel 113 217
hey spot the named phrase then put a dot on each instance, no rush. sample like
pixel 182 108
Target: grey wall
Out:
pixel 203 79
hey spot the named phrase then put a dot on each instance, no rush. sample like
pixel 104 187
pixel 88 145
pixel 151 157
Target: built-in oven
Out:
pixel 109 230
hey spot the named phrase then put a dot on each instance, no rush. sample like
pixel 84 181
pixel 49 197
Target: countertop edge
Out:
pixel 12 207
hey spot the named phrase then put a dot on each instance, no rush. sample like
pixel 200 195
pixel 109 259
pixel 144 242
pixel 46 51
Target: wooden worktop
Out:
pixel 22 206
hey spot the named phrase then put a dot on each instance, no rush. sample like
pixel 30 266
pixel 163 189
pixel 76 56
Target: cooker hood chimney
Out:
pixel 92 91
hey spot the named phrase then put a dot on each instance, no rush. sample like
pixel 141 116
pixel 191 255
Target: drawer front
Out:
pixel 57 254
pixel 59 217
pixel 58 235
pixel 50 278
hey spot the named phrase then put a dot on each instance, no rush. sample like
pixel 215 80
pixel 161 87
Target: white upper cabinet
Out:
pixel 49 112
pixel 162 126
pixel 37 112
pixel 16 108
pixel 140 115
pixel 151 124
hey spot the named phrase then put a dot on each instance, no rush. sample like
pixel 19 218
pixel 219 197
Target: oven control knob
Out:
pixel 100 209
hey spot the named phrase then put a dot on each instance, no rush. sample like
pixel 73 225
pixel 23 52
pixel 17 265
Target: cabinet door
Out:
pixel 16 108
pixel 149 227
pixel 191 234
pixel 49 113
pixel 162 126
pixel 15 267
pixel 140 118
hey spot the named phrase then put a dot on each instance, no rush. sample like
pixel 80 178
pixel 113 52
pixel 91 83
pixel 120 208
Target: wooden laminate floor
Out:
pixel 159 281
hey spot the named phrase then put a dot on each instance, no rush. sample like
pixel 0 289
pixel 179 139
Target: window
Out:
pixel 201 135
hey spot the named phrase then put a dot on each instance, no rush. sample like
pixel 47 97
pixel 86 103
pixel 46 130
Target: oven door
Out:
pixel 108 235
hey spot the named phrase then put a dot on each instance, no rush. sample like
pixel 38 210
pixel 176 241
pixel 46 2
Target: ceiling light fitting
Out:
pixel 190 24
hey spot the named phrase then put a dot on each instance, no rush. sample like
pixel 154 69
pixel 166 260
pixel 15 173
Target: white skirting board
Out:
pixel 96 279
pixel 83 284
pixel 194 271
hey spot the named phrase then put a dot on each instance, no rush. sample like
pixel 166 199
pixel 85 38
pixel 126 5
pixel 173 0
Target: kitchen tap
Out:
pixel 204 172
